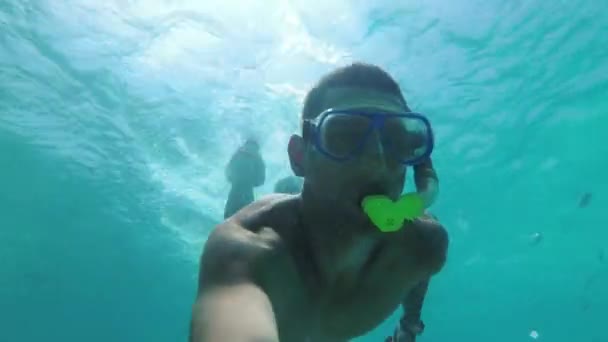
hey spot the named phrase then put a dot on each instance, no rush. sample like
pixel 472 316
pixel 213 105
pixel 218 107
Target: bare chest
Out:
pixel 367 286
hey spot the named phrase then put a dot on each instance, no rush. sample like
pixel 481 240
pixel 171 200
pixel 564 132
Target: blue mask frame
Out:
pixel 377 119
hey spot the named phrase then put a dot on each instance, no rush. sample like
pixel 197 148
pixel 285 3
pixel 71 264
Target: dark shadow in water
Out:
pixel 585 200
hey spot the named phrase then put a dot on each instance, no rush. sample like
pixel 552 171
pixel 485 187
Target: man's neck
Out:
pixel 340 242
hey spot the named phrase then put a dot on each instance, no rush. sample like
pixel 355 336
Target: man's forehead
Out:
pixel 356 97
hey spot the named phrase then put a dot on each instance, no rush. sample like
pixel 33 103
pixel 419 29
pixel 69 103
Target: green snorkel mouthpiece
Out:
pixel 389 216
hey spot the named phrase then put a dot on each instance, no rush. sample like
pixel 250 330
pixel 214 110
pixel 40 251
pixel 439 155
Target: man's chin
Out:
pixel 357 216
pixel 347 210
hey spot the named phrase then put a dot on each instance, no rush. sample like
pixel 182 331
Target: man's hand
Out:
pixel 246 166
pixel 410 324
pixel 401 336
pixel 406 331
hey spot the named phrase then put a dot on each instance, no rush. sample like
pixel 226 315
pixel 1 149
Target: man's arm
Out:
pixel 434 240
pixel 412 307
pixel 238 312
pixel 410 324
pixel 230 306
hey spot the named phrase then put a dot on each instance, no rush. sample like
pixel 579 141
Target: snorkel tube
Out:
pixel 389 216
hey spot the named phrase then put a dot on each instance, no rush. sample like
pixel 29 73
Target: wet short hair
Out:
pixel 362 75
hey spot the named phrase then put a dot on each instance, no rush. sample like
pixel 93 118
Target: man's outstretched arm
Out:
pixel 230 305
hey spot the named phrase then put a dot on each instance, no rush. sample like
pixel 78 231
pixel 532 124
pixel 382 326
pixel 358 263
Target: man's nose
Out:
pixel 374 153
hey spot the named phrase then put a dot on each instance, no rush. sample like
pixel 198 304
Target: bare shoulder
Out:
pixel 431 242
pixel 238 248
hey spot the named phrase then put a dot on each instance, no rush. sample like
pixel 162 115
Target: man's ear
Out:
pixel 296 149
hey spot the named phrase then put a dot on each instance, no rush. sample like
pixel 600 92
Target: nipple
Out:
pixel 388 216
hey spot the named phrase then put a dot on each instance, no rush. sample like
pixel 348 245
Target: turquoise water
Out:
pixel 116 121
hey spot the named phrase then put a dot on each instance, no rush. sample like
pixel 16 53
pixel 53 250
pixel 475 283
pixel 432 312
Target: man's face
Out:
pixel 373 171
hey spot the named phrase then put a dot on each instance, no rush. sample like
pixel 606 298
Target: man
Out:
pixel 312 267
pixel 246 171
